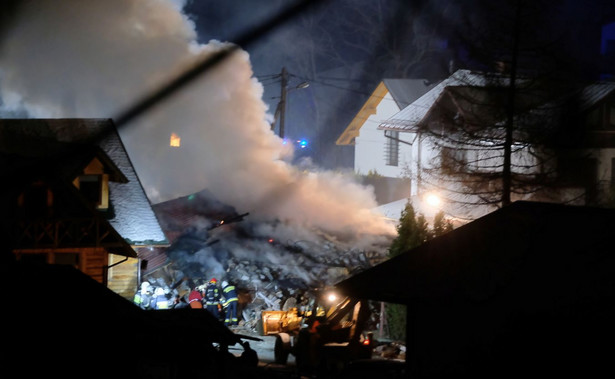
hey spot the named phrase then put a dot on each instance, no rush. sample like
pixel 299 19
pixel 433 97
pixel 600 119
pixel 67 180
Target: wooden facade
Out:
pixel 73 197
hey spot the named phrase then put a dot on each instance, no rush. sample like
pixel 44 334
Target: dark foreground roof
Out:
pixel 547 244
pixel 64 322
pixel 525 290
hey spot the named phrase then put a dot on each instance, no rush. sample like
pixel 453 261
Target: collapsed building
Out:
pixel 274 265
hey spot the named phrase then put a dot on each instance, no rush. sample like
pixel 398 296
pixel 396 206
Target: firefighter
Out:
pixel 195 299
pixel 143 297
pixel 212 298
pixel 162 301
pixel 229 295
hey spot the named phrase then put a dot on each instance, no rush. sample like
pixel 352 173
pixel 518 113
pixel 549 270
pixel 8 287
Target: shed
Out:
pixel 527 289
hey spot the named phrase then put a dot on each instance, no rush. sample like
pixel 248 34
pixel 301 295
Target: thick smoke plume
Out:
pixel 90 58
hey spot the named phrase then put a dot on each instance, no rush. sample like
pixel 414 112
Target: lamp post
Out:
pixel 281 109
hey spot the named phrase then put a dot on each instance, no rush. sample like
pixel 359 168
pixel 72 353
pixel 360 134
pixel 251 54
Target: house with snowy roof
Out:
pixel 384 159
pixel 566 142
pixel 71 196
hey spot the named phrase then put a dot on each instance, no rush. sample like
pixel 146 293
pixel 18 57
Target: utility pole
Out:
pixel 280 110
pixel 282 105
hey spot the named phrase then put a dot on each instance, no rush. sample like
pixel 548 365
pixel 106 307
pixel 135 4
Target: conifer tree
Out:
pixel 412 231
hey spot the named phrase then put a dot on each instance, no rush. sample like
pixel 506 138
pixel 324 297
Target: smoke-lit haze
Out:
pixel 90 58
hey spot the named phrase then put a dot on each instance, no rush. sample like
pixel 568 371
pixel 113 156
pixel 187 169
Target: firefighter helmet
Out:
pixel 213 280
pixel 224 283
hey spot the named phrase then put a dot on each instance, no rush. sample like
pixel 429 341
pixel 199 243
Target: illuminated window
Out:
pixel 175 140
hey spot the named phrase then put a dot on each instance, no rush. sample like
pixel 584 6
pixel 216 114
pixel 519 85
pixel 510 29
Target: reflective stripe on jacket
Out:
pixel 212 295
pixel 230 294
pixel 162 302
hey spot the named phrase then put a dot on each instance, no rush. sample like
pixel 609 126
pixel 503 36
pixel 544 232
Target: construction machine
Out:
pixel 325 334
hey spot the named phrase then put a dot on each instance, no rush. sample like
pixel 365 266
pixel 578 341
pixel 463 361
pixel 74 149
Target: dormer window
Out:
pixel 91 188
pixel 94 185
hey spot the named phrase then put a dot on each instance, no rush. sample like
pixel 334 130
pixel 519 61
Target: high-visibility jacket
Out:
pixel 212 295
pixel 138 300
pixel 162 302
pixel 143 300
pixel 230 294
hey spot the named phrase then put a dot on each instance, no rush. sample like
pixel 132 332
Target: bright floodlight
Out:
pixel 433 200
pixel 332 297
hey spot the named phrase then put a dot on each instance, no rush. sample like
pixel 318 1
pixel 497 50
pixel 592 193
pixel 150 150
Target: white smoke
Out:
pixel 91 58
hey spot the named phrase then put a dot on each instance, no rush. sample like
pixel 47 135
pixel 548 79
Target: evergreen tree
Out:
pixel 412 231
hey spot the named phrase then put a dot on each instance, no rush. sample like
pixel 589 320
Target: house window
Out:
pixel 90 187
pixel 391 149
pixel 71 259
pixel 593 119
pixel 452 160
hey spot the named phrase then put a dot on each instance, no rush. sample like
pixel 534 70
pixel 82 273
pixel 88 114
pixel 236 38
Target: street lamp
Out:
pixel 433 200
pixel 281 109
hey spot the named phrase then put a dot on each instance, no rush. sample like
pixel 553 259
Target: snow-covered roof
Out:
pixel 594 93
pixel 403 92
pixel 409 117
pixel 132 217
pixel 406 91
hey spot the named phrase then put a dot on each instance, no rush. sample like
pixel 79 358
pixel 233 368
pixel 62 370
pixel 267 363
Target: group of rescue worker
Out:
pixel 222 303
pixel 149 297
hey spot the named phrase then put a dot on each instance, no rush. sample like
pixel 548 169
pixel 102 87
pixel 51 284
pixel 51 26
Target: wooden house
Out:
pixel 70 195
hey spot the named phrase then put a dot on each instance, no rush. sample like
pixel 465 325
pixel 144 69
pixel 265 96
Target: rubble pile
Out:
pixel 273 265
pixel 276 277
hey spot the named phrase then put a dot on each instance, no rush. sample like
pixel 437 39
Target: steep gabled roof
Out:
pixel 594 93
pixel 414 114
pixel 406 91
pixel 409 117
pixel 403 92
pixel 23 140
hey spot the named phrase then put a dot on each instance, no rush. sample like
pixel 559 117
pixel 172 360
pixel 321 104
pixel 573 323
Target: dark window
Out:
pixel 392 148
pixel 90 186
pixel 71 259
pixel 452 160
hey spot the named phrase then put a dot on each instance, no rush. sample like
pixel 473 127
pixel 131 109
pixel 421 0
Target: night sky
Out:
pixel 343 48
